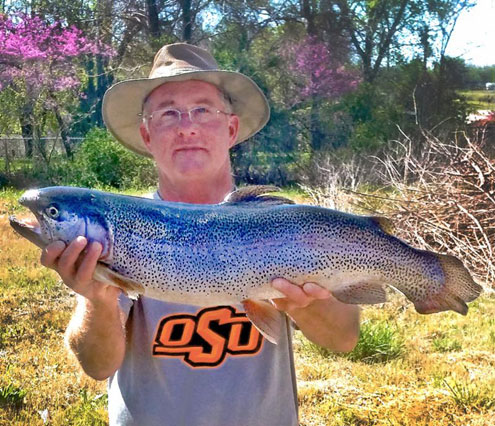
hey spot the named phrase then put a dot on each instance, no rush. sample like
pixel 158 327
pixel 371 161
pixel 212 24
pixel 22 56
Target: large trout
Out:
pixel 229 253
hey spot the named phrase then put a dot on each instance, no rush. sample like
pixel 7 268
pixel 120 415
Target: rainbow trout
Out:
pixel 229 253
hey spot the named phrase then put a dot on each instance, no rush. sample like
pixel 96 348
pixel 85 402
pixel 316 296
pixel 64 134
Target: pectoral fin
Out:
pixel 266 318
pixel 130 287
pixel 361 292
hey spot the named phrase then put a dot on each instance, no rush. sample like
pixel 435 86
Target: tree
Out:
pixel 319 75
pixel 41 63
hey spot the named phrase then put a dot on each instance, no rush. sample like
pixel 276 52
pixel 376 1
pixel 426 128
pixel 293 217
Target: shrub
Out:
pixel 102 161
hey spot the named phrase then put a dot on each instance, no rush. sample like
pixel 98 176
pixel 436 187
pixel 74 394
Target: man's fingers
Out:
pixel 51 253
pixel 297 296
pixel 293 292
pixel 88 264
pixel 315 291
pixel 67 261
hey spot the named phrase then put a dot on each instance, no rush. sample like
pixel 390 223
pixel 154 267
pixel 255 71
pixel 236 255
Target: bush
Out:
pixel 101 161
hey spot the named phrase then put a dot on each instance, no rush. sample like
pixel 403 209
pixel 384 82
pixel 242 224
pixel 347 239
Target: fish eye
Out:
pixel 52 211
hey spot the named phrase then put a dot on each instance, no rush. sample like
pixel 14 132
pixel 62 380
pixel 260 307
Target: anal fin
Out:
pixel 130 287
pixel 364 292
pixel 266 318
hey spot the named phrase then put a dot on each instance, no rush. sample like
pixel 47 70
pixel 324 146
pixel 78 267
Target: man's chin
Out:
pixel 192 167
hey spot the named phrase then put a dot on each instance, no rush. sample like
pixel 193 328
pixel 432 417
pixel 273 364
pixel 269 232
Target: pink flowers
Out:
pixel 318 72
pixel 38 53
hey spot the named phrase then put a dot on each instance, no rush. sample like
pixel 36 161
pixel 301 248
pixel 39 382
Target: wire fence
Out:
pixel 19 153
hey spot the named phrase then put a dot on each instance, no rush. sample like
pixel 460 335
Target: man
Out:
pixel 180 364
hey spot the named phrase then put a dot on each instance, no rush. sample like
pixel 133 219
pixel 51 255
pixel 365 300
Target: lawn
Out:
pixel 479 99
pixel 408 369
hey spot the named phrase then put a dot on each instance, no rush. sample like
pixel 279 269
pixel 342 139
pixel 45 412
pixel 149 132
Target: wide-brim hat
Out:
pixel 123 102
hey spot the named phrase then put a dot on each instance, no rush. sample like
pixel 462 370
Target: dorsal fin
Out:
pixel 256 194
pixel 384 223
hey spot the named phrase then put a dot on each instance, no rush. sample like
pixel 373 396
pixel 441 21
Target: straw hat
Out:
pixel 123 102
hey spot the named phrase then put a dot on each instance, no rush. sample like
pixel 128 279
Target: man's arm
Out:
pixel 96 333
pixel 320 316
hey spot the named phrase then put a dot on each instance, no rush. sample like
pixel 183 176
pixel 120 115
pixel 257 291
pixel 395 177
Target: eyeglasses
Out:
pixel 170 116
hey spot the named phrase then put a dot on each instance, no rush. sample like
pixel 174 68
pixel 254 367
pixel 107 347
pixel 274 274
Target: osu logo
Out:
pixel 204 339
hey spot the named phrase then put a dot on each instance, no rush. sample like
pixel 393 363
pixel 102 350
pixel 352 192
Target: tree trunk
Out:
pixel 153 20
pixel 187 19
pixel 316 135
pixel 307 9
pixel 63 134
pixel 27 130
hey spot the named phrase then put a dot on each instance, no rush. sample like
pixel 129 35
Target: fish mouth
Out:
pixel 29 229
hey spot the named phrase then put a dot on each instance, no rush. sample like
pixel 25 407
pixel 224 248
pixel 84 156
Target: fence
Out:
pixel 14 147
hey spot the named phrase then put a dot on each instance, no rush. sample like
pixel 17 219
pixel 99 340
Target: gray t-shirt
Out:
pixel 187 365
pixel 193 366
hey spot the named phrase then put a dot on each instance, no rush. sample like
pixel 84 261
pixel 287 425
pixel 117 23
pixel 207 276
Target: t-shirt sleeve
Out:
pixel 125 304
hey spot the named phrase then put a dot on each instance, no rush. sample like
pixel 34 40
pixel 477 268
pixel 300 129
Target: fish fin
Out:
pixel 385 224
pixel 266 318
pixel 130 287
pixel 361 292
pixel 256 194
pixel 459 288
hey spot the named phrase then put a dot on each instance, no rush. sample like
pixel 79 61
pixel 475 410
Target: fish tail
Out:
pixel 459 288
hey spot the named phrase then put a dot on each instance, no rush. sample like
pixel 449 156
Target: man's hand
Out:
pixel 297 296
pixel 320 316
pixel 96 330
pixel 76 264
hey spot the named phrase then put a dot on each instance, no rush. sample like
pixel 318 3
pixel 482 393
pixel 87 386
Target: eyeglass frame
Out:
pixel 149 117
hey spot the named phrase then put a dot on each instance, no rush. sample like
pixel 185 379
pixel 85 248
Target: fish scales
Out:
pixel 230 252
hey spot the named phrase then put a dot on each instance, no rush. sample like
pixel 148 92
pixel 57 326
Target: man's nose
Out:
pixel 185 125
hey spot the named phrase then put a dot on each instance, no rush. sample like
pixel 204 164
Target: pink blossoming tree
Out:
pixel 317 72
pixel 319 76
pixel 41 73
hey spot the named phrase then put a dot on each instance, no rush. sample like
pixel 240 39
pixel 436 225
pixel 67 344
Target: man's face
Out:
pixel 188 150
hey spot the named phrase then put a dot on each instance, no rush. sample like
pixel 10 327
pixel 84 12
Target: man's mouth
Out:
pixel 190 148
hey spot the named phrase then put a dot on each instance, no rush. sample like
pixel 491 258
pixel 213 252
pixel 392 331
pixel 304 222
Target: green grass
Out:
pixel 446 344
pixel 379 341
pixel 12 396
pixel 479 99
pixel 469 395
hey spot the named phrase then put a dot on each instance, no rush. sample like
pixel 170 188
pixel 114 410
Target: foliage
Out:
pixel 12 395
pixel 378 342
pixel 101 161
pixel 304 55
pixel 41 55
pixel 41 76
pixel 317 70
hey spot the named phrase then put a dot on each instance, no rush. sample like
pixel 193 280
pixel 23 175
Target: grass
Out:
pixel 407 369
pixel 479 99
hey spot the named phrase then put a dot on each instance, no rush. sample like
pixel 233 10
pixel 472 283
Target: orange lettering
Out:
pixel 205 339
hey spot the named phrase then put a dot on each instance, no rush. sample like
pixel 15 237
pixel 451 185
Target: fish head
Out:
pixel 62 214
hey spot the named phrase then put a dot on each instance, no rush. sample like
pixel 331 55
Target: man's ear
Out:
pixel 233 129
pixel 145 135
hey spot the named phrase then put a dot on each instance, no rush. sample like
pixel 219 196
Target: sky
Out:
pixel 474 35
